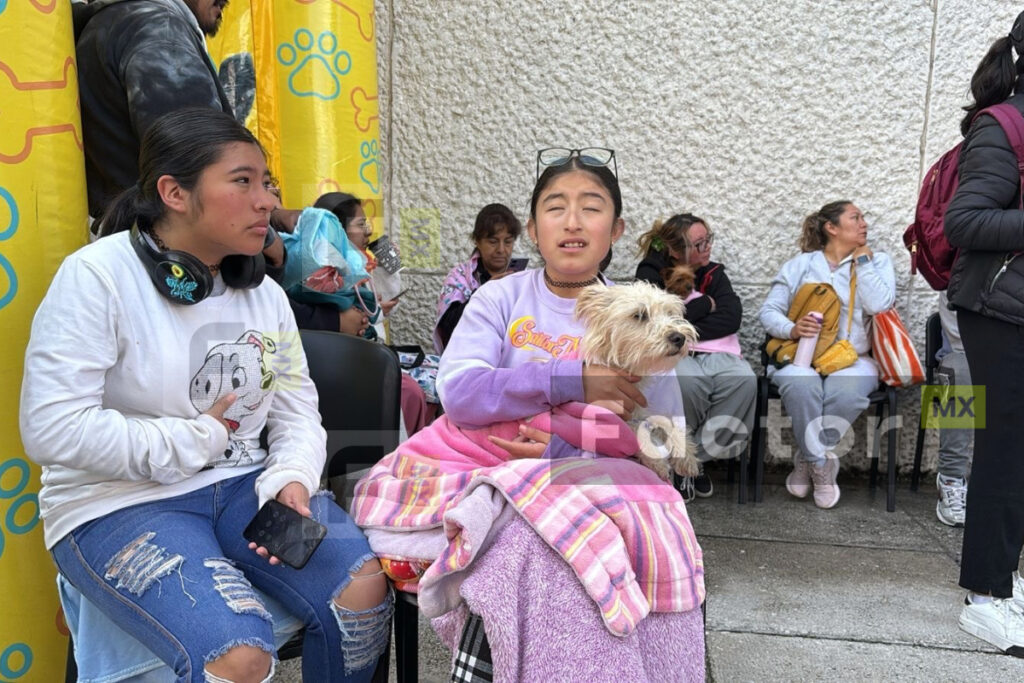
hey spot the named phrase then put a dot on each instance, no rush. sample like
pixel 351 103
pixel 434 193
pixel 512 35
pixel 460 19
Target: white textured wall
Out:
pixel 750 114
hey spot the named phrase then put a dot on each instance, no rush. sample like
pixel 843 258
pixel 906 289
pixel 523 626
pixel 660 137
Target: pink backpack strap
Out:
pixel 1012 122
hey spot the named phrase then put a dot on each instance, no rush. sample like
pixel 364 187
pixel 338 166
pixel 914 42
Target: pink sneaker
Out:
pixel 798 483
pixel 826 491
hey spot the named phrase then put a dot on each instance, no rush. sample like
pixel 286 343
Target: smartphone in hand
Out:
pixel 386 253
pixel 517 264
pixel 287 535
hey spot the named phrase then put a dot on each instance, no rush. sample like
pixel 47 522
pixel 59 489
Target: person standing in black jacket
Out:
pixel 137 61
pixel 985 221
pixel 718 386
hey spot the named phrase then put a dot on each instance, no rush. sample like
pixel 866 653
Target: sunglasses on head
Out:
pixel 588 156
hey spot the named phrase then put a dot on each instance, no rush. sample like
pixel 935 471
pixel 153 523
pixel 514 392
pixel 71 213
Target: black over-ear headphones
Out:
pixel 184 279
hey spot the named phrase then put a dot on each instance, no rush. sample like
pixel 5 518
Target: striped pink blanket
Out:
pixel 624 532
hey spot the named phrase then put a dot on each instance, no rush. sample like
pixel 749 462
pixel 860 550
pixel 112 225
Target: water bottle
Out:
pixel 805 347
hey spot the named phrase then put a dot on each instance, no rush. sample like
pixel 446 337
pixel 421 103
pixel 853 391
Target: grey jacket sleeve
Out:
pixel 166 75
pixel 980 217
pixel 876 285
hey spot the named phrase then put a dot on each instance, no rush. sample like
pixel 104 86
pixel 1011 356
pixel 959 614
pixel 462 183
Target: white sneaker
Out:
pixel 1018 589
pixel 826 491
pixel 951 508
pixel 798 482
pixel 999 622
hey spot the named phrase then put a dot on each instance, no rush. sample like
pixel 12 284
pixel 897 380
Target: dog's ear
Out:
pixel 592 299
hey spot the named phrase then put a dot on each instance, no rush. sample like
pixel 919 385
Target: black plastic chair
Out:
pixel 360 387
pixel 932 344
pixel 359 383
pixel 884 400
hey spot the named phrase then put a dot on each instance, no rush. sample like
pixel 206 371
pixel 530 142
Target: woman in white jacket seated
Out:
pixel 158 356
pixel 834 243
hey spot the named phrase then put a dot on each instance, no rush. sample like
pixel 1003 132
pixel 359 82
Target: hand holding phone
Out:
pixel 287 535
pixel 386 253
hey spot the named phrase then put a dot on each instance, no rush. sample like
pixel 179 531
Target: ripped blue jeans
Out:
pixel 178 575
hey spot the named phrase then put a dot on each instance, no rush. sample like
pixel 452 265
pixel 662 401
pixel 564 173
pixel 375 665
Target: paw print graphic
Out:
pixel 8 226
pixel 369 170
pixel 317 64
pixel 22 513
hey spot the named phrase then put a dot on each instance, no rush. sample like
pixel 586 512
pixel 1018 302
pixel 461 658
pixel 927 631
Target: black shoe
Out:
pixel 685 486
pixel 702 486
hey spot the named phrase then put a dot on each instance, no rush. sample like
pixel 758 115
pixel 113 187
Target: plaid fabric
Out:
pixel 473 660
pixel 626 535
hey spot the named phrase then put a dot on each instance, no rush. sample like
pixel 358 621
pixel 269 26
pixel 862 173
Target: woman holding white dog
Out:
pixel 719 388
pixel 514 355
pixel 834 242
pixel 575 217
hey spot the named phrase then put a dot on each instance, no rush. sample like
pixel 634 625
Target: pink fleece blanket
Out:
pixel 623 531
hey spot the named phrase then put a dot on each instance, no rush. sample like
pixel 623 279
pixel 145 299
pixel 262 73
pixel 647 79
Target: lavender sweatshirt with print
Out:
pixel 508 357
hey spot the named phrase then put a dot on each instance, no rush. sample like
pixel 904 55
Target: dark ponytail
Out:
pixel 181 144
pixel 813 236
pixel 127 209
pixel 997 76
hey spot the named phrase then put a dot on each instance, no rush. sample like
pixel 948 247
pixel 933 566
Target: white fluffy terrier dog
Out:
pixel 640 328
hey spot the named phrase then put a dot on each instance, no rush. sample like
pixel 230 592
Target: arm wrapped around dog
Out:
pixel 589 428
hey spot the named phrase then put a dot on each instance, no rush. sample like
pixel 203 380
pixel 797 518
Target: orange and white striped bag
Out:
pixel 893 350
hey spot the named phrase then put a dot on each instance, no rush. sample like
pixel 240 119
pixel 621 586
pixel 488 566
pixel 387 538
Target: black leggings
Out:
pixel 994 530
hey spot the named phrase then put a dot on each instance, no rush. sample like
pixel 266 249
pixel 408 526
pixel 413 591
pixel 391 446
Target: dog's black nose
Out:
pixel 676 340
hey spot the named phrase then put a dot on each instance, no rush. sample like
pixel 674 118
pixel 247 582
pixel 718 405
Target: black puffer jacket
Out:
pixel 985 221
pixel 137 60
pixel 709 280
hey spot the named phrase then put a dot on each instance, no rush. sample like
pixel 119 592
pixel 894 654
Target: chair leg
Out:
pixel 752 450
pixel 744 478
pixel 71 667
pixel 730 471
pixel 915 476
pixel 759 438
pixel 758 474
pixel 407 639
pixel 890 494
pixel 876 448
pixel 381 673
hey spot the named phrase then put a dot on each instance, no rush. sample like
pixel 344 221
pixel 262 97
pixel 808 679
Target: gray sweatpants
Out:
pixel 719 396
pixel 824 408
pixel 956 446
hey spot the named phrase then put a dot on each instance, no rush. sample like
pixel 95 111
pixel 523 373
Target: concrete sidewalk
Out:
pixel 853 593
pixel 801 594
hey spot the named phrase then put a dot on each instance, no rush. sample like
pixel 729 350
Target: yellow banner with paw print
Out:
pixel 303 73
pixel 42 218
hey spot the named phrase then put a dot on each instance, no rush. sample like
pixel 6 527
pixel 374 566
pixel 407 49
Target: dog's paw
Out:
pixel 684 460
pixel 656 437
